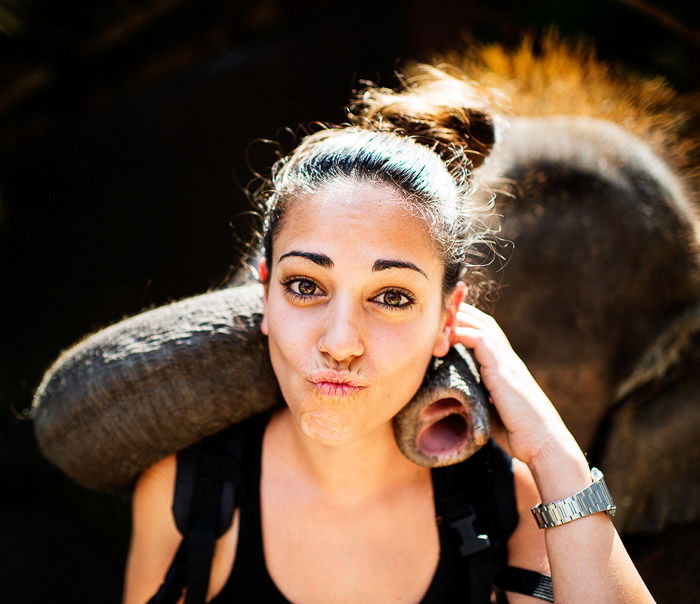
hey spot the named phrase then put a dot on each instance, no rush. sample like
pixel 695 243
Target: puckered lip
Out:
pixel 337 377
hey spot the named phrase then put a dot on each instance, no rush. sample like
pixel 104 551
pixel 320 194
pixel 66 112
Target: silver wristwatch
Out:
pixel 592 499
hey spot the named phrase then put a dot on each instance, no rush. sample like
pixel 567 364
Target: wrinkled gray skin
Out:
pixel 139 390
pixel 600 297
pixel 448 418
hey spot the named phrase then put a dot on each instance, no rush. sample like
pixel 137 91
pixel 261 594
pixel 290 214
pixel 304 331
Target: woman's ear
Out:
pixel 264 279
pixel 443 340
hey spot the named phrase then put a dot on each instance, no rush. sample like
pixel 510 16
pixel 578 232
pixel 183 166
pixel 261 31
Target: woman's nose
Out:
pixel 342 337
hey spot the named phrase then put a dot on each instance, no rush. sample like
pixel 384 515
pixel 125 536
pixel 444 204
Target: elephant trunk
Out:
pixel 448 418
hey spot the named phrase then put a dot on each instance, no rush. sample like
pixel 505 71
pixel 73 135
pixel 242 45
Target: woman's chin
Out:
pixel 326 428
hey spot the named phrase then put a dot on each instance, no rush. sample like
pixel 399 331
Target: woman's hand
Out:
pixel 532 424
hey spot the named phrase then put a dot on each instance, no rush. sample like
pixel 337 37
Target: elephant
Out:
pixel 600 297
pixel 599 293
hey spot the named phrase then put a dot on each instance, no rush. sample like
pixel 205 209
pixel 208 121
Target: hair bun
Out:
pixel 450 115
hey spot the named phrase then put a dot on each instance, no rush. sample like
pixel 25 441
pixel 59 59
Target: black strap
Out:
pixel 208 484
pixel 202 536
pixel 528 582
pixel 476 498
pixel 464 502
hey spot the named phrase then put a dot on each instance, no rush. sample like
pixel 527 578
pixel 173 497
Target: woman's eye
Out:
pixel 302 287
pixel 306 288
pixel 394 299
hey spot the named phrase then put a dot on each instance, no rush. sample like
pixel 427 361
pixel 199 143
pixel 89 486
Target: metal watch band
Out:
pixel 594 498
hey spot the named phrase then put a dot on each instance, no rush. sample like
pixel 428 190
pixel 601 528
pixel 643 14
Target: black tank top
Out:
pixel 250 581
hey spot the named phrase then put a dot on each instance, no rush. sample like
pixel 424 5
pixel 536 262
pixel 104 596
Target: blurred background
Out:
pixel 126 139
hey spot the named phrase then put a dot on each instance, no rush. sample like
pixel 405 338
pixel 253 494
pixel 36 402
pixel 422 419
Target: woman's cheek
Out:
pixel 404 354
pixel 410 338
pixel 290 327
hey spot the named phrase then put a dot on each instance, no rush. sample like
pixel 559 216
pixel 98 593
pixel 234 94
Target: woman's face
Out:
pixel 353 309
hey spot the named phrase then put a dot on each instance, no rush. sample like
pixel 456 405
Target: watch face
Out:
pixel 596 474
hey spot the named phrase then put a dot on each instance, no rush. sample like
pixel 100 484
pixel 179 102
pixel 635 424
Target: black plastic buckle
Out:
pixel 471 542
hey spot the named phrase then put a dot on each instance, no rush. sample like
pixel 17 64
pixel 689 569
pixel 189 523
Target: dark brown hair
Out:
pixel 424 141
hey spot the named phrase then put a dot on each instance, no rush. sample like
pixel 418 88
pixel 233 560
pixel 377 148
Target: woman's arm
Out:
pixel 587 559
pixel 154 537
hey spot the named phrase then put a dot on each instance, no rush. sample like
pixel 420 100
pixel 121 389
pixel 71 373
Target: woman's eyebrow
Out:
pixel 320 259
pixel 382 265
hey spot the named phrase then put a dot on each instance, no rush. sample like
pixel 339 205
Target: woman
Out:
pixel 367 232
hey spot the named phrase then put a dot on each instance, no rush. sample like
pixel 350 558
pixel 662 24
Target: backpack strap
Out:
pixel 477 499
pixel 208 486
pixel 523 581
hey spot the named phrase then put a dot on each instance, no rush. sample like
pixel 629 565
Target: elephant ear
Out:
pixel 652 450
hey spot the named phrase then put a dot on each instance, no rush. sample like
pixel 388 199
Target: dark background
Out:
pixel 125 139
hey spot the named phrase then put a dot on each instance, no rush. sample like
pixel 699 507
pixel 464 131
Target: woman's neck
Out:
pixel 365 469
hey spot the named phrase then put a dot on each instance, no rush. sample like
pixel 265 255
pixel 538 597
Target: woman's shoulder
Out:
pixel 153 493
pixel 156 484
pixel 154 536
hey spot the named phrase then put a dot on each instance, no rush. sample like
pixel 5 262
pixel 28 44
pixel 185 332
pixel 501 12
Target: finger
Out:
pixel 472 313
pixel 484 345
pixel 483 323
pixel 471 337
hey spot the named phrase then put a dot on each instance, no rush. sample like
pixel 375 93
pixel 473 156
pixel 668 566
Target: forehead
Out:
pixel 362 219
